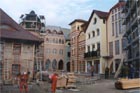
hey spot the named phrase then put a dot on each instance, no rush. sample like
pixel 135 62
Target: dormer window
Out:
pixel 95 20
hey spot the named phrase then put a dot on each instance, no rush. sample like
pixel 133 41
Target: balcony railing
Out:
pixel 92 54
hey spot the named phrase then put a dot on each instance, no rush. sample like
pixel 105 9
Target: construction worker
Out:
pixel 23 78
pixel 54 78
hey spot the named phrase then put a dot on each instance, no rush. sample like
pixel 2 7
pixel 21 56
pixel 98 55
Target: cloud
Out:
pixel 56 12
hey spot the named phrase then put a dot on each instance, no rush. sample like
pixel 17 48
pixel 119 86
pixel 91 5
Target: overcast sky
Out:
pixel 56 12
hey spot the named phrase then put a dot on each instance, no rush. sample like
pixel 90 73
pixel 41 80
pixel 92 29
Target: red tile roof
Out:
pixel 15 31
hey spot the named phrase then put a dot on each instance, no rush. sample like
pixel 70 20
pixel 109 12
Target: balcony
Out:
pixel 91 54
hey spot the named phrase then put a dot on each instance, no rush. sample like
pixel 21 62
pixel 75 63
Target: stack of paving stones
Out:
pixel 71 80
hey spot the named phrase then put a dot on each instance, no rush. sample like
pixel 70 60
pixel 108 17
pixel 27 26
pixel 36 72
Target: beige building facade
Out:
pixel 115 37
pixel 96 42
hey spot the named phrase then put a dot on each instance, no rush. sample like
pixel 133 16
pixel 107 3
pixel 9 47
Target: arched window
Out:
pixel 54 32
pixel 61 65
pixel 61 51
pixel 60 41
pixel 53 40
pixel 54 51
pixel 98 32
pixel 47 65
pixel 54 64
pixel 56 40
pixel 95 20
pixel 93 33
pixel 68 66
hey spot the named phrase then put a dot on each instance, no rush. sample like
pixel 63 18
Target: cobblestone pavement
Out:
pixel 98 86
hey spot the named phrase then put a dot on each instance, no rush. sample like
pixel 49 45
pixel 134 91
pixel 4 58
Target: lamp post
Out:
pixel 38 62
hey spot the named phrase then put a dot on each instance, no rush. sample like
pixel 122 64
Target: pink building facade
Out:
pixel 54 50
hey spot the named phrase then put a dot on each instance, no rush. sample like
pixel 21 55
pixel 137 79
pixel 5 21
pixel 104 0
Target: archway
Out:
pixel 68 66
pixel 54 64
pixel 60 65
pixel 47 65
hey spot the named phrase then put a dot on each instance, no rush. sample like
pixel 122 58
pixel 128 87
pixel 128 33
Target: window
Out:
pixel 112 11
pixel 98 32
pixel 88 48
pixel 116 28
pixel 62 41
pixel 54 51
pixel 56 40
pixel 113 18
pixel 17 48
pixel 110 48
pixel 93 46
pixel 124 43
pixel 98 46
pixel 61 51
pixel 119 8
pixel 89 35
pixel 119 15
pixel 59 41
pixel 93 33
pixel 117 47
pixel 116 10
pixel 50 40
pixel 120 27
pixel 15 69
pixel 104 21
pixel 112 29
pixel 68 54
pixel 95 20
pixel 53 40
